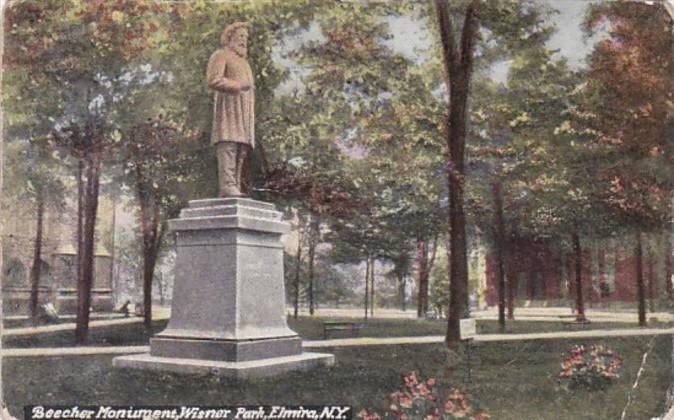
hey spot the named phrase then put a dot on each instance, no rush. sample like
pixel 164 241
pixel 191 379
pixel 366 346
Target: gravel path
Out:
pixel 360 341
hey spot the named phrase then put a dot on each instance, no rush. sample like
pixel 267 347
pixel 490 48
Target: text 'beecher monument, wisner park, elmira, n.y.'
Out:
pixel 228 311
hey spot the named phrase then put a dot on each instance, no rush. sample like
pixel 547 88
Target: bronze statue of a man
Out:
pixel 233 135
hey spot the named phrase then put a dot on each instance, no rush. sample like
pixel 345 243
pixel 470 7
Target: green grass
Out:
pixel 522 327
pixel 309 328
pixel 514 380
pixel 111 335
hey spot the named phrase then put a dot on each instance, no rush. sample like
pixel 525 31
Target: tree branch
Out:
pixel 446 37
pixel 468 37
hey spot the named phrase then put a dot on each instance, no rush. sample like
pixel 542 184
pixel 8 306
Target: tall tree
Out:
pixel 158 163
pixel 458 57
pixel 631 72
pixel 77 57
pixel 510 23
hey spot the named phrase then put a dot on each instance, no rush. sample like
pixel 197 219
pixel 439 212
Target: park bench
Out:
pixel 47 314
pixel 569 321
pixel 430 316
pixel 124 309
pixel 352 327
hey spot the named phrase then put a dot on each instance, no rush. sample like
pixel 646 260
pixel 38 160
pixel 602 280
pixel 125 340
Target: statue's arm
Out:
pixel 216 75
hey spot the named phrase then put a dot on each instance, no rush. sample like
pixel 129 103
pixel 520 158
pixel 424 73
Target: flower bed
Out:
pixel 422 400
pixel 590 367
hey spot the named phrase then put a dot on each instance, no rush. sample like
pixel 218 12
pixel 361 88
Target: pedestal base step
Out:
pixel 240 370
pixel 224 350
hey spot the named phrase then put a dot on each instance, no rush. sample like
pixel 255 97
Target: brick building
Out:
pixel 540 273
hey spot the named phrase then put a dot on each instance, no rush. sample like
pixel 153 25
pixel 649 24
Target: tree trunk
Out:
pixel 151 237
pixel 90 211
pixel 499 237
pixel 668 266
pixel 422 277
pixel 314 232
pixel 113 253
pixel 372 295
pixel 297 278
pixel 401 290
pixel 641 292
pixel 531 283
pixel 578 268
pixel 511 286
pixel 35 271
pixel 569 273
pixel 651 281
pixel 601 270
pixel 150 250
pixel 429 266
pixel 458 61
pixel 80 222
pixel 367 284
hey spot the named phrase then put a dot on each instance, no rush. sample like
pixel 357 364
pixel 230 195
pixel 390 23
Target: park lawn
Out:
pixel 309 328
pixel 512 381
pixel 111 335
pixel 485 326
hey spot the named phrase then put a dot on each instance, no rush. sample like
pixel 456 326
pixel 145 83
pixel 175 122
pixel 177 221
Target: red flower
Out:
pixel 365 415
pixel 410 379
pixel 405 401
pixel 480 415
pixel 425 392
pixel 449 406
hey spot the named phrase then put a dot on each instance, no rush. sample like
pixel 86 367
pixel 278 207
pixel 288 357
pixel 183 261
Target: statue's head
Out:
pixel 235 36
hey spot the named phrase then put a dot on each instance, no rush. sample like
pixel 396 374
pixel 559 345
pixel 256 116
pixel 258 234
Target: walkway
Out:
pixel 521 314
pixel 374 341
pixel 347 342
pixel 157 315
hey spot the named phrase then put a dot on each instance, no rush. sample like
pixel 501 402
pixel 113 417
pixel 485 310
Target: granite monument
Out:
pixel 228 312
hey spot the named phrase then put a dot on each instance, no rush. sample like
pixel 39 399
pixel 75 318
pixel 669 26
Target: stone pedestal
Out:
pixel 228 310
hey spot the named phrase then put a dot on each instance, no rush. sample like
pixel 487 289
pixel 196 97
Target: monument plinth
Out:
pixel 228 310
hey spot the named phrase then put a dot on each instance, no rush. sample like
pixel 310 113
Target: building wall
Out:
pixel 58 272
pixel 606 278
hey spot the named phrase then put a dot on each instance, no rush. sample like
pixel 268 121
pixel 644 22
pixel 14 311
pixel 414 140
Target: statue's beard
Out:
pixel 240 50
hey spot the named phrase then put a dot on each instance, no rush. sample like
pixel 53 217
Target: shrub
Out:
pixel 420 400
pixel 593 367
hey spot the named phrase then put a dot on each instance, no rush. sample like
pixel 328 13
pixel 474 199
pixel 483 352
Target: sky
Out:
pixel 568 38
pixel 410 37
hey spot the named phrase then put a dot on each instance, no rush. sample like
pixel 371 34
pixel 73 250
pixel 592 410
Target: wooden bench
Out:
pixel 352 327
pixel 569 321
pixel 47 314
pixel 124 309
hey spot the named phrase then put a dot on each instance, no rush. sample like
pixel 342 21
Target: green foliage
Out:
pixel 631 112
